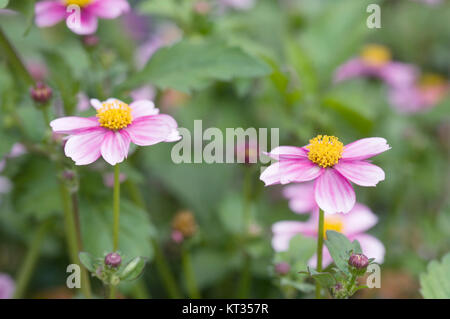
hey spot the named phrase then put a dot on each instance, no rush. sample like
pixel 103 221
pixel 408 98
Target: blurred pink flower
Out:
pixel 375 61
pixel 247 151
pixel 420 96
pixel 7 286
pixel 108 179
pixel 177 236
pixel 5 185
pixel 37 69
pixel 109 133
pixel 82 102
pixel 136 25
pixel 50 12
pixel 237 4
pixel 332 165
pixel 430 2
pixel 353 225
pixel 146 92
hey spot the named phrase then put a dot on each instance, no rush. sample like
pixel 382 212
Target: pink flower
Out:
pixel 247 151
pixel 353 225
pixel 7 286
pixel 332 165
pixel 420 96
pixel 237 4
pixel 108 179
pixel 109 133
pixel 50 12
pixel 375 61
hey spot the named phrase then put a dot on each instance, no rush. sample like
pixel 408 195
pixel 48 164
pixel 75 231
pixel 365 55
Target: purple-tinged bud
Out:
pixel 282 268
pixel 69 175
pixel 41 93
pixel 359 261
pixel 90 40
pixel 113 260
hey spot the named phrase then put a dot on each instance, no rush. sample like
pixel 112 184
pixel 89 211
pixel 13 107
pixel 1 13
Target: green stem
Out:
pixel 13 59
pixel 27 268
pixel 72 238
pixel 162 265
pixel 320 234
pixel 189 275
pixel 116 207
pixel 112 292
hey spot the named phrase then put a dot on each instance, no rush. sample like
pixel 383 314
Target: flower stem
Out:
pixel 26 270
pixel 189 275
pixel 320 234
pixel 112 292
pixel 116 207
pixel 13 59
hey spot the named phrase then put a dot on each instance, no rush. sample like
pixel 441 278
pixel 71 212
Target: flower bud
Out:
pixel 184 222
pixel 359 263
pixel 90 40
pixel 41 93
pixel 282 268
pixel 113 260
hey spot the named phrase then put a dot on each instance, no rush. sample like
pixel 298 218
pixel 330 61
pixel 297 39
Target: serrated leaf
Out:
pixel 87 260
pixel 325 279
pixel 189 65
pixel 133 269
pixel 340 249
pixel 435 283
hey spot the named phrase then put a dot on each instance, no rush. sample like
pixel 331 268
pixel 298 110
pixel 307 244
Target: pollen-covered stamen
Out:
pixel 376 55
pixel 80 3
pixel 332 222
pixel 325 150
pixel 114 115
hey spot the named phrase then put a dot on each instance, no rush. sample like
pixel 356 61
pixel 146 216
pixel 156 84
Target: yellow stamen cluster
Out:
pixel 375 54
pixel 184 222
pixel 325 150
pixel 114 115
pixel 80 3
pixel 332 222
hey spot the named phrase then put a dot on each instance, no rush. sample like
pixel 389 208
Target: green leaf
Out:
pixel 26 7
pixel 3 3
pixel 133 269
pixel 340 249
pixel 435 283
pixel 300 286
pixel 87 260
pixel 325 279
pixel 190 65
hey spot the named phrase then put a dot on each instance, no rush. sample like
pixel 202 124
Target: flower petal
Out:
pixel 73 124
pixel 333 193
pixel 84 148
pixel 84 23
pixel 287 152
pixel 301 197
pixel 298 170
pixel 326 259
pixel 350 69
pixel 143 108
pixel 5 185
pixel 371 247
pixel 149 130
pixel 96 104
pixel 358 220
pixel 365 148
pixel 48 13
pixel 360 172
pixel 108 9
pixel 115 147
pixel 283 232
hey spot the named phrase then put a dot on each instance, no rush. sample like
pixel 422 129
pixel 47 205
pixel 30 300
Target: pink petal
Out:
pixel 115 146
pixel 108 9
pixel 271 175
pixel 96 104
pixel 397 74
pixel 333 193
pixel 84 148
pixel 5 185
pixel 301 197
pixel 326 259
pixel 365 148
pixel 73 124
pixel 371 247
pixel 86 24
pixel 149 130
pixel 283 232
pixel 48 13
pixel 143 108
pixel 358 220
pixel 350 69
pixel 288 152
pixel 298 170
pixel 360 172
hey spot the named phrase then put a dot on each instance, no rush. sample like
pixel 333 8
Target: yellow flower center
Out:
pixel 325 150
pixel 81 3
pixel 114 115
pixel 431 80
pixel 332 222
pixel 376 55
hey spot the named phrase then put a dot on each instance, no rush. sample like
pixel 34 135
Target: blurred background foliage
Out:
pixel 268 66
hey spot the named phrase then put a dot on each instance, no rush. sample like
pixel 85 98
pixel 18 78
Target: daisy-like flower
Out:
pixel 110 132
pixel 353 225
pixel 7 286
pixel 51 12
pixel 376 61
pixel 421 96
pixel 332 165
